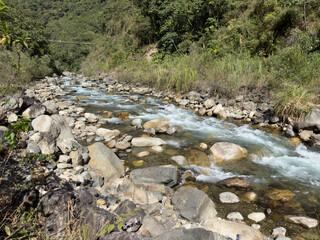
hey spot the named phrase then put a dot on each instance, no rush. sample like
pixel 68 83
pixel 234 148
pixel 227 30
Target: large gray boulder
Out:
pixel 105 160
pixel 312 121
pixel 34 111
pixel 167 175
pixel 190 234
pixel 193 204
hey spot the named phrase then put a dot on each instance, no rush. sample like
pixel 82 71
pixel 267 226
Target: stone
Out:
pixel 107 134
pixel 180 160
pixel 225 151
pixel 228 197
pixel 34 111
pixel 235 182
pixel 184 102
pixel 193 204
pixel 64 159
pixel 198 158
pixel 257 216
pixel 12 118
pixel 282 238
pixel 147 142
pixel 189 234
pixel 209 103
pixel 32 147
pixel 153 226
pixel 167 175
pixel 123 145
pixel 250 196
pixel 312 121
pixel 105 160
pixel 124 236
pixel 76 158
pixel 232 229
pixel 280 195
pixel 137 122
pixel 64 165
pixel 203 146
pixel 158 125
pixel 123 115
pixel 143 154
pixel 303 221
pixel 91 118
pixel 157 149
pixel 249 106
pixel 305 135
pixel 45 124
pixel 279 231
pixel 171 130
pixel 235 216
pixel 138 163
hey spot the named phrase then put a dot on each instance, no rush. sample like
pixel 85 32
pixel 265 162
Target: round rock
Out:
pixel 228 197
pixel 257 216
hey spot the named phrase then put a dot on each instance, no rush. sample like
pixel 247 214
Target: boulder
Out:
pixel 303 221
pixel 167 175
pixel 305 135
pixel 107 134
pixel 34 111
pixel 209 103
pixel 147 142
pixel 105 160
pixel 232 229
pixel 91 118
pixel 280 195
pixel 193 204
pixel 158 125
pixel 235 182
pixel 189 234
pixel 153 226
pixel 45 124
pixel 225 151
pixel 198 158
pixel 312 121
pixel 180 160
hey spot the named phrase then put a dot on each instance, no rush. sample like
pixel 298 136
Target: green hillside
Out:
pixel 217 46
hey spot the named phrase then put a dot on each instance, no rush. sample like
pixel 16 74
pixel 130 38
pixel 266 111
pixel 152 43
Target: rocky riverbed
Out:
pixel 130 181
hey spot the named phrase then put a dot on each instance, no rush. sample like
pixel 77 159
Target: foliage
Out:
pixel 12 135
pixel 38 158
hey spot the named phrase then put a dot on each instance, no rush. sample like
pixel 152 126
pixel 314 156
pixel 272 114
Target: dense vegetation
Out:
pixel 219 46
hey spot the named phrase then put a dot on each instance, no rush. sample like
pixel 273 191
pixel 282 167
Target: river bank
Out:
pixel 154 187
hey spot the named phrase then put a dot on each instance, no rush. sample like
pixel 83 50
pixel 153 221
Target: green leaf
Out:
pixel 110 228
pixel 119 226
pixel 8 231
pixel 12 136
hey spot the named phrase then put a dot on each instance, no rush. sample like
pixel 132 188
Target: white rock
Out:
pixel 257 216
pixel 147 142
pixel 279 231
pixel 304 221
pixel 12 118
pixel 180 160
pixel 106 133
pixel 256 226
pixel 91 118
pixel 143 154
pixel 228 197
pixel 235 216
pixel 203 146
pixel 157 149
pixel 209 103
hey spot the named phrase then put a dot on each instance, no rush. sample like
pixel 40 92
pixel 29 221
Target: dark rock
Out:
pixel 25 199
pixel 167 175
pixel 235 182
pixel 190 234
pixel 193 204
pixel 132 215
pixel 34 111
pixel 124 236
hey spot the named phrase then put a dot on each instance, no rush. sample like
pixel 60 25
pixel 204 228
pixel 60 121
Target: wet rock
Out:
pixel 136 122
pixel 157 149
pixel 147 142
pixel 103 159
pixel 203 146
pixel 189 234
pixel 280 195
pixel 235 216
pixel 143 154
pixel 257 216
pixel 138 163
pixel 123 145
pixel 167 175
pixel 235 182
pixel 123 115
pixel 250 196
pixel 171 130
pixel 303 221
pixel 279 231
pixel 232 229
pixel 180 160
pixel 224 151
pixel 193 204
pixel 158 125
pixel 228 197
pixel 198 158
pixel 34 111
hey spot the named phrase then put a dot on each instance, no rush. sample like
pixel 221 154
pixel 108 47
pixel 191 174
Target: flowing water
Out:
pixel 272 162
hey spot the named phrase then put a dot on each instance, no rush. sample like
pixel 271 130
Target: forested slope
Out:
pixel 218 46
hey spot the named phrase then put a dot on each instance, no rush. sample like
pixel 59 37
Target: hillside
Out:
pixel 217 46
